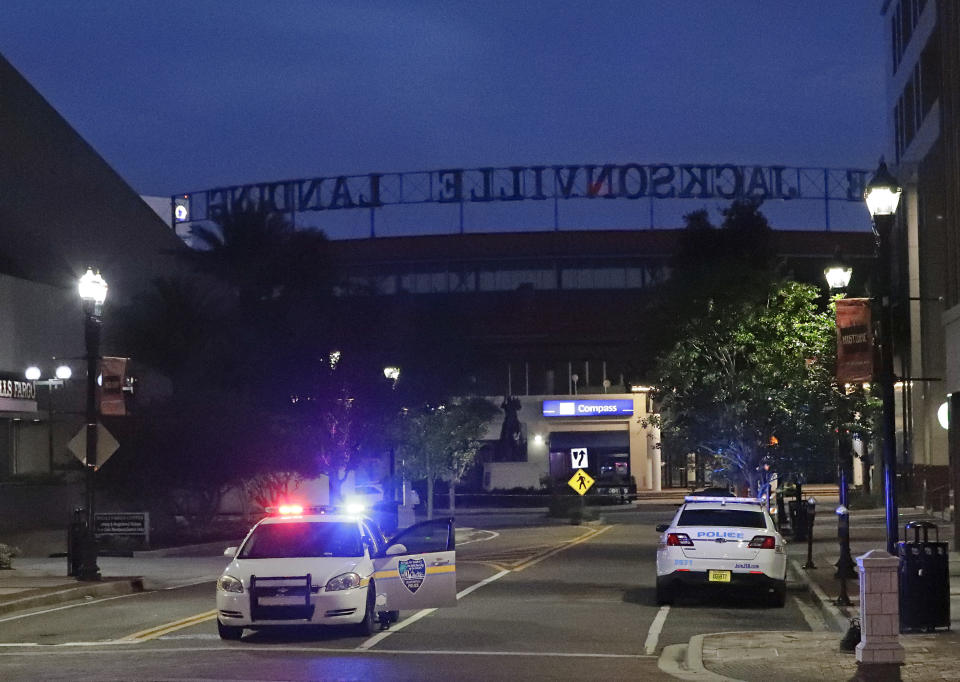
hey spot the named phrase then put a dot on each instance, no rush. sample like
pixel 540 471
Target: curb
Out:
pixel 107 588
pixel 695 664
pixel 831 613
pixel 188 550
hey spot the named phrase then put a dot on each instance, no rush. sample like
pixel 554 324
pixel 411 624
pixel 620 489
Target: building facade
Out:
pixel 62 209
pixel 923 76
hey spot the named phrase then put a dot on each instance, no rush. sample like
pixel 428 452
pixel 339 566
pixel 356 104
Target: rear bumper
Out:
pixel 700 579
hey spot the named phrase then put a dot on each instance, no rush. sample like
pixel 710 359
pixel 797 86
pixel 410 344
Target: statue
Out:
pixel 512 446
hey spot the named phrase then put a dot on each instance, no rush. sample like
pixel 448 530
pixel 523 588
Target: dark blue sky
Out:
pixel 186 95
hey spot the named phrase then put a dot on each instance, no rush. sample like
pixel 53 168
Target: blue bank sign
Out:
pixel 587 408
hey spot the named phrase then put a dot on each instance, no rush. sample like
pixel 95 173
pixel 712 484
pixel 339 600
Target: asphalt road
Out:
pixel 539 600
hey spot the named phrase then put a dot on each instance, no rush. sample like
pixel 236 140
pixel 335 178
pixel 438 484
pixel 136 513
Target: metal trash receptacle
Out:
pixel 924 579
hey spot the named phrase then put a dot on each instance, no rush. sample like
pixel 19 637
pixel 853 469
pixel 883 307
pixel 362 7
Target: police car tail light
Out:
pixel 763 542
pixel 679 540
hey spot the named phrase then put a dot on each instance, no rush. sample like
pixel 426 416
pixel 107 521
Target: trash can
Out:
pixel 924 578
pixel 798 520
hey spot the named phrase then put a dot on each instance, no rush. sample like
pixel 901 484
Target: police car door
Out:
pixel 418 568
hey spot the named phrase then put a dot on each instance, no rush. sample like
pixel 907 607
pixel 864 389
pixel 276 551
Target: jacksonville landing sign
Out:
pixel 531 183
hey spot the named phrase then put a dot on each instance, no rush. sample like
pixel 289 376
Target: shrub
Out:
pixel 7 552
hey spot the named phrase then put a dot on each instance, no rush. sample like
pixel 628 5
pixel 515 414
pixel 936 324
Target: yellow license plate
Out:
pixel 718 576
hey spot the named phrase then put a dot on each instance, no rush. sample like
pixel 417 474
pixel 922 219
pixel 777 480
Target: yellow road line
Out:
pixel 160 630
pixel 556 550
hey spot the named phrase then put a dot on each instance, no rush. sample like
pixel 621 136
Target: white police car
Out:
pixel 721 541
pixel 324 566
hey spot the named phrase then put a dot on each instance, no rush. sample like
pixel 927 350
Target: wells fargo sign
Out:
pixel 629 181
pixel 16 389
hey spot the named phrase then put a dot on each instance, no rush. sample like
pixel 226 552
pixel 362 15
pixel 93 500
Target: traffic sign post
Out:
pixel 106 445
pixel 581 482
pixel 578 458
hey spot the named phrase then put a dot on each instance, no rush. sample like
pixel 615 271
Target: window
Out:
pixel 430 536
pixel 737 518
pixel 374 534
pixel 306 539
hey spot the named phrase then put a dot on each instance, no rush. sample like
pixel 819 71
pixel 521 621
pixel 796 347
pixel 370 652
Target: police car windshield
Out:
pixel 303 539
pixel 738 518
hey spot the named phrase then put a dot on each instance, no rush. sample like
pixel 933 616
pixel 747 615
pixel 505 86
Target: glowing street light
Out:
pixel 882 196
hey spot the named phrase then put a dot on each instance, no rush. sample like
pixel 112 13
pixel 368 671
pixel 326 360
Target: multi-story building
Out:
pixel 923 76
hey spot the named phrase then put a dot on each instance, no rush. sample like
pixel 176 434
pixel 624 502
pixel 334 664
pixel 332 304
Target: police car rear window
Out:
pixel 306 539
pixel 738 518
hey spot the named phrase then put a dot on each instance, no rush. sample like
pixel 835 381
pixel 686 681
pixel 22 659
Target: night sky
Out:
pixel 187 95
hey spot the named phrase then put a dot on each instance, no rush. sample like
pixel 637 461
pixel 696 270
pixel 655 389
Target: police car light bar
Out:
pixel 723 500
pixel 299 510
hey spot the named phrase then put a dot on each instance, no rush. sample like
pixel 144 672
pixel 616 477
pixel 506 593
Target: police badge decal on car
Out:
pixel 412 573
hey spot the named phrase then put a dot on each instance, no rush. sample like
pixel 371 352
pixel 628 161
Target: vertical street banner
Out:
pixel 854 341
pixel 113 372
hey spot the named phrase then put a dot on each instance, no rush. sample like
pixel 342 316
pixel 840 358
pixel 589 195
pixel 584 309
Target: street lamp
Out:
pixel 882 195
pixel 93 292
pixel 62 373
pixel 838 278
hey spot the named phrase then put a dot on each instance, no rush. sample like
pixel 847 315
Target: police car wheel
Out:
pixel 231 632
pixel 664 594
pixel 778 597
pixel 367 626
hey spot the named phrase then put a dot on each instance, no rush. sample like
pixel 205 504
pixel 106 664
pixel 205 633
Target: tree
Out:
pixel 749 381
pixel 442 442
pixel 735 262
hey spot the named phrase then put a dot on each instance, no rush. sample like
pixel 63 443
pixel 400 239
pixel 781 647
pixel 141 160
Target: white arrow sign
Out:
pixel 106 445
pixel 578 458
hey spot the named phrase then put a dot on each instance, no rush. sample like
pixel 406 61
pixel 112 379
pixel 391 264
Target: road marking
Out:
pixel 159 630
pixel 493 534
pixel 566 545
pixel 69 606
pixel 380 636
pixel 825 601
pixel 653 634
pixel 54 650
pixel 814 620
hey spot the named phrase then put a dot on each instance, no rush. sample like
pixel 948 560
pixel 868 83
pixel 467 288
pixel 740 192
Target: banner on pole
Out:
pixel 854 341
pixel 114 377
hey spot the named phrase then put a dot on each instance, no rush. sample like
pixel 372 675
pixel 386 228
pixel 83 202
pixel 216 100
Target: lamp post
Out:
pixel 838 279
pixel 93 292
pixel 392 373
pixel 62 373
pixel 882 195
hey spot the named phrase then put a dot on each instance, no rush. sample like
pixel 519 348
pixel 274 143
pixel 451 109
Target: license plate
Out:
pixel 718 576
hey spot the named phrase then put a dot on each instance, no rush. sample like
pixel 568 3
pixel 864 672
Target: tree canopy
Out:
pixel 750 381
pixel 442 442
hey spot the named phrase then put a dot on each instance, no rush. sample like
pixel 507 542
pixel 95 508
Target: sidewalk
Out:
pixel 816 654
pixel 39 580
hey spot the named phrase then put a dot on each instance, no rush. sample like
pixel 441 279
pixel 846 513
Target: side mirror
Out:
pixel 369 544
pixel 396 549
pixel 662 527
pixel 230 552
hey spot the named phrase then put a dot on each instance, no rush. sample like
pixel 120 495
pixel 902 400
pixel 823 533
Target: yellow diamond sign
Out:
pixel 581 481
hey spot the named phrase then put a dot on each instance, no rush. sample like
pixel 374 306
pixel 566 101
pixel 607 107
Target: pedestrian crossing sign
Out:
pixel 580 481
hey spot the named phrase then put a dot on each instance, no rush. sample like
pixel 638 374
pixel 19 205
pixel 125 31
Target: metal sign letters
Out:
pixel 724 181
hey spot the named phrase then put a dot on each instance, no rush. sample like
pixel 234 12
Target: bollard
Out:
pixel 845 565
pixel 880 647
pixel 811 514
